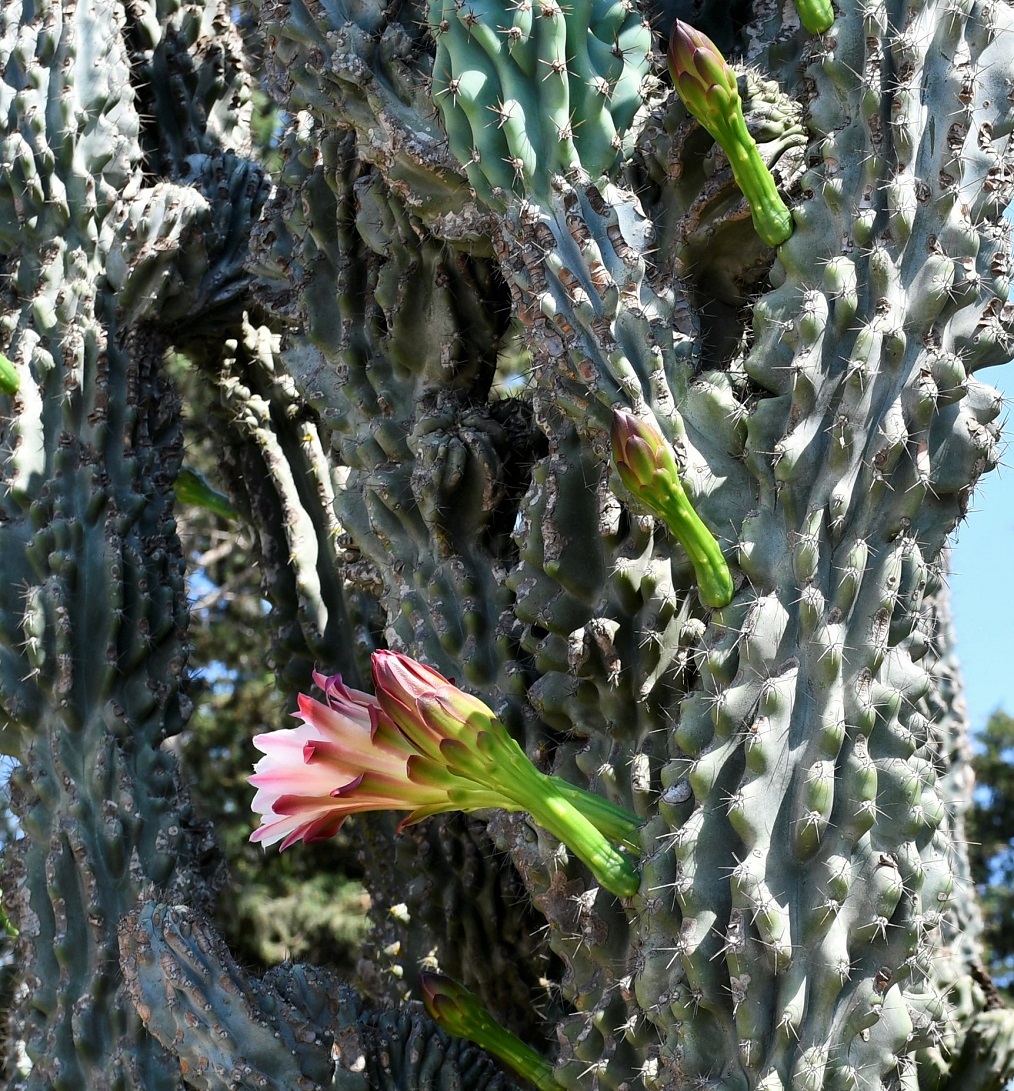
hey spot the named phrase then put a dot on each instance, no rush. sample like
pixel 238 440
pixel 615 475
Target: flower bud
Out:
pixel 10 381
pixel 647 467
pixel 816 15
pixel 703 79
pixel 424 705
pixel 708 88
pixel 452 1007
pixel 644 461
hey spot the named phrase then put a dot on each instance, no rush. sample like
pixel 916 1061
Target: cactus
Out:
pixel 764 678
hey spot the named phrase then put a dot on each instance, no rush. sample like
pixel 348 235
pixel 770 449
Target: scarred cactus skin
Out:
pixel 461 184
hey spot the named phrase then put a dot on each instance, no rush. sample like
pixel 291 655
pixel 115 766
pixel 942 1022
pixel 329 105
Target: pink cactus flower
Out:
pixel 360 753
pixel 423 746
pixel 345 757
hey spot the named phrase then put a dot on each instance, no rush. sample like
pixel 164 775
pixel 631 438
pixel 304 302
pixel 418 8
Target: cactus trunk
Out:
pixel 764 676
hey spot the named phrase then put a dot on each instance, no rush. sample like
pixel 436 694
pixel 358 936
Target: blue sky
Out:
pixel 982 596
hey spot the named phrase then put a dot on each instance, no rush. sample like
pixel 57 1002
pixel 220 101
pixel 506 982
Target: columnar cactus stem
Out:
pixel 773 701
pixel 288 1029
pixel 92 601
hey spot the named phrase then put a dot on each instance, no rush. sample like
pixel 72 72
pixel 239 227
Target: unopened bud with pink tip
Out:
pixel 647 466
pixel 709 90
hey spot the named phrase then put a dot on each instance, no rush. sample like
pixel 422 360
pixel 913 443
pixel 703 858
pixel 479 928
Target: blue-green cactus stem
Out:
pixel 92 601
pixel 800 920
pixel 530 90
pixel 282 1032
pixel 377 68
pixel 171 950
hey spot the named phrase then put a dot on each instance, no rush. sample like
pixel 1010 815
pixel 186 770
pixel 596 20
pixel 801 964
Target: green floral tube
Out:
pixel 193 489
pixel 647 466
pixel 452 1007
pixel 707 86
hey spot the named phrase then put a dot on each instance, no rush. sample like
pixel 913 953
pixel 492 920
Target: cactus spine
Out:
pixel 456 181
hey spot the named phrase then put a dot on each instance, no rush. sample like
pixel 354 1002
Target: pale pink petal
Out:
pixel 359 743
pixel 270 833
pixel 351 753
pixel 284 739
pixel 351 702
pixel 312 782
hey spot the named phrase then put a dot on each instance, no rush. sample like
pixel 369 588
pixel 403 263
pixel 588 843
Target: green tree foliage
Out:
pixel 991 851
pixel 307 905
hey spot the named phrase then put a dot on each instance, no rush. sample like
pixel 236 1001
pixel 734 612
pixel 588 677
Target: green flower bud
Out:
pixel 816 15
pixel 10 383
pixel 454 1008
pixel 708 88
pixel 647 466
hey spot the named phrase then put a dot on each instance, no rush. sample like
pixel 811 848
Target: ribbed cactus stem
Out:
pixel 471 197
